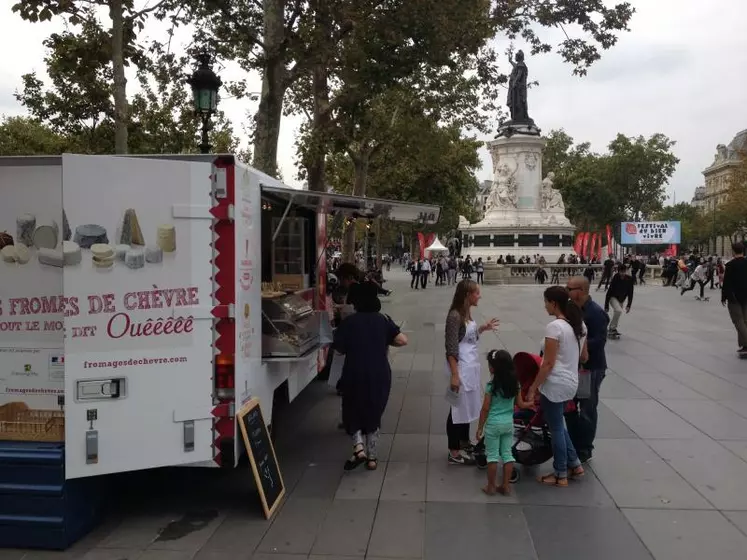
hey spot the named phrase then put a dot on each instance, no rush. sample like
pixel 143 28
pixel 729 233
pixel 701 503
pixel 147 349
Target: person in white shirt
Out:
pixel 425 273
pixel 557 380
pixel 699 276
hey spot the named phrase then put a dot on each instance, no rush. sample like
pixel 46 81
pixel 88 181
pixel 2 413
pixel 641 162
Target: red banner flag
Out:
pixel 584 243
pixel 609 240
pixel 424 240
pixel 577 244
pixel 593 247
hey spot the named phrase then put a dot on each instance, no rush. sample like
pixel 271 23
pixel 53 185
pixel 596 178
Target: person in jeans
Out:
pixel 583 426
pixel 452 270
pixel 463 368
pixel 480 270
pixel 557 381
pixel 734 293
pixel 620 291
pixel 425 273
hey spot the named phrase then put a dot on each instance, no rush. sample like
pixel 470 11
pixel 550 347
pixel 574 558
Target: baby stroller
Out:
pixel 532 444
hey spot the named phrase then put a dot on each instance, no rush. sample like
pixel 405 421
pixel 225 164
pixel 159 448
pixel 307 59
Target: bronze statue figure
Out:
pixel 517 91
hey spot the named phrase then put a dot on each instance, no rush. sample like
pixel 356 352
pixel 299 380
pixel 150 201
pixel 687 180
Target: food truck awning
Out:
pixel 355 206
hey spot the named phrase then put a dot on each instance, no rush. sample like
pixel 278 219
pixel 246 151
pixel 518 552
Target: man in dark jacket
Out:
pixel 609 264
pixel 734 293
pixel 583 426
pixel 620 291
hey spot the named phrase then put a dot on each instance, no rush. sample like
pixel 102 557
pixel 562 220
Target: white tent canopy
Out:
pixel 436 246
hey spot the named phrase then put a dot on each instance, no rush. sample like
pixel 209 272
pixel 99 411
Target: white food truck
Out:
pixel 144 299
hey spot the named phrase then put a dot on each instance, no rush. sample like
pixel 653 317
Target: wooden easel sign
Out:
pixel 261 456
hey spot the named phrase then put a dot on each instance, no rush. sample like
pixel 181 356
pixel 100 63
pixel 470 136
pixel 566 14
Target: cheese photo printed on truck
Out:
pixel 157 296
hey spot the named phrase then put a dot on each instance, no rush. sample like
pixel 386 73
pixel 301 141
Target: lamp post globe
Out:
pixel 205 86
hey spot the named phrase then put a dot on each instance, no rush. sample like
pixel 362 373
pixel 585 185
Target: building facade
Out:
pixel 718 178
pixel 699 198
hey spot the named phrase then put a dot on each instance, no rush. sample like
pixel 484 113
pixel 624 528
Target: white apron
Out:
pixel 470 393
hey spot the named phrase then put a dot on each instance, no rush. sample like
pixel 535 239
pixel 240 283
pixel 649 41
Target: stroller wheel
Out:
pixel 515 476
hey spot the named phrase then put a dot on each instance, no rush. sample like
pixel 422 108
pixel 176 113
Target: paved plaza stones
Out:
pixel 668 479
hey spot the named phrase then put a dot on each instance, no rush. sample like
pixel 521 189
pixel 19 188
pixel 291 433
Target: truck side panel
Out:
pixel 32 362
pixel 139 348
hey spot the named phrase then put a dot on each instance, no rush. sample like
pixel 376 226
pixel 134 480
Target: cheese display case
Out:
pixel 290 327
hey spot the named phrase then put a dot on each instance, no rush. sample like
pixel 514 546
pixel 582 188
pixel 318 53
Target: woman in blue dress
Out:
pixel 364 338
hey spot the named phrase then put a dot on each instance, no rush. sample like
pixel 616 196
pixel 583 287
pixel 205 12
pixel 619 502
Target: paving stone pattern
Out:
pixel 668 480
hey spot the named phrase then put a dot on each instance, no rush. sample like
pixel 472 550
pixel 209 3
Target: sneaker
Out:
pixel 584 457
pixel 461 459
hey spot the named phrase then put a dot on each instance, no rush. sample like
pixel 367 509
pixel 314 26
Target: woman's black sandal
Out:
pixel 359 457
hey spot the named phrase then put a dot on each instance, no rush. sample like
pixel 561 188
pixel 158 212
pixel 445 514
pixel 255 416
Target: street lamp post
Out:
pixel 205 85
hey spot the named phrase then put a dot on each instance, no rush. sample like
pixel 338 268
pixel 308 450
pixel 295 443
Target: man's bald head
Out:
pixel 578 289
pixel 579 282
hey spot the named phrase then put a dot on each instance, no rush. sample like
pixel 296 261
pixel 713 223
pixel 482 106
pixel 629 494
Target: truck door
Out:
pixel 138 330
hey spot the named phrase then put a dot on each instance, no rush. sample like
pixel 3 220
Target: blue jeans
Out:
pixel 563 453
pixel 588 415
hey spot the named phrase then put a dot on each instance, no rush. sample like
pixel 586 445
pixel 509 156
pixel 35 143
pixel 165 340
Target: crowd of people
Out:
pixel 444 270
pixel 559 392
pixel 576 334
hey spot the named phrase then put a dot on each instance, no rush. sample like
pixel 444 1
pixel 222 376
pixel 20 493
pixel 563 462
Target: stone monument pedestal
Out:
pixel 525 215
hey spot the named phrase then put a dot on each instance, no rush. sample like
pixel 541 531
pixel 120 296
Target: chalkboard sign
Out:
pixel 261 456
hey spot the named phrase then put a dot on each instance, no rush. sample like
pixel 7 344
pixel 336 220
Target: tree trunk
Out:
pixel 316 165
pixel 116 12
pixel 360 162
pixel 270 111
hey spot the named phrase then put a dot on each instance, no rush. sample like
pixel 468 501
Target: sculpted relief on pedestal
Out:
pixel 552 201
pixel 505 191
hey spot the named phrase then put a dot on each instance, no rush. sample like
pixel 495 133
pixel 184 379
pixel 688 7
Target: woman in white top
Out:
pixel 463 368
pixel 557 380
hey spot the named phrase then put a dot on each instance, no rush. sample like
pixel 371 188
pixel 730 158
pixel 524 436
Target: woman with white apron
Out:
pixel 463 368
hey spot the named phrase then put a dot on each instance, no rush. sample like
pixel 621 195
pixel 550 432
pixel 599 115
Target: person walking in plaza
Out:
pixel 496 423
pixel 596 320
pixel 608 266
pixel 364 338
pixel 425 273
pixel 700 277
pixel 734 294
pixel 415 271
pixel 463 368
pixel 452 270
pixel 564 348
pixel 641 270
pixel 480 270
pixel 620 291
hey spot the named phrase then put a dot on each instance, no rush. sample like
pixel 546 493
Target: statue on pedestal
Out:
pixel 504 193
pixel 552 200
pixel 521 122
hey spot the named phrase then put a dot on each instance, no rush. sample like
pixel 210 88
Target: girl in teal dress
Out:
pixel 496 423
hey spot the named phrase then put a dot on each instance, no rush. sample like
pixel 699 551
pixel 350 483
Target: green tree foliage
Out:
pixel 694 223
pixel 628 182
pixel 78 103
pixel 361 47
pixel 120 48
pixel 23 136
pixel 421 161
pixel 639 169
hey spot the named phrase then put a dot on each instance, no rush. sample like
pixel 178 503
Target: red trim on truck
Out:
pixel 224 281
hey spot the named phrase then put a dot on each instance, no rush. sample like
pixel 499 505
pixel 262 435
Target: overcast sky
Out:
pixel 679 71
